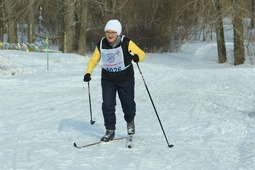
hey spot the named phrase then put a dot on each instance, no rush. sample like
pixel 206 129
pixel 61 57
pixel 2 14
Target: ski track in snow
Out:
pixel 207 111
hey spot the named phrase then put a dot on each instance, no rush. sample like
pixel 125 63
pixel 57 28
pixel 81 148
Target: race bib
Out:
pixel 112 60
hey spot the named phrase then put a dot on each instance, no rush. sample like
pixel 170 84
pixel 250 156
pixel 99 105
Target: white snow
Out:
pixel 207 111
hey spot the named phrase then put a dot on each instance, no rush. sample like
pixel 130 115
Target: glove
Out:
pixel 134 57
pixel 87 77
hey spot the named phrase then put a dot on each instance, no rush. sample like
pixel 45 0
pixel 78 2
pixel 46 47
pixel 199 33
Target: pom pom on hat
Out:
pixel 114 25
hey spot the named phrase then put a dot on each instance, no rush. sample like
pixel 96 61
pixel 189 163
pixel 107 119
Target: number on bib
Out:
pixel 115 69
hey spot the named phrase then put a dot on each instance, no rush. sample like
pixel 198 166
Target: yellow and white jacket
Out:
pixel 127 45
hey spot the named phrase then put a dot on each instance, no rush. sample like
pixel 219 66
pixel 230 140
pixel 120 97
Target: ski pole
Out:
pixel 170 146
pixel 91 121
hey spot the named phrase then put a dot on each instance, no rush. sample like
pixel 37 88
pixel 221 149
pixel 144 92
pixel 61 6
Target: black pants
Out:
pixel 126 95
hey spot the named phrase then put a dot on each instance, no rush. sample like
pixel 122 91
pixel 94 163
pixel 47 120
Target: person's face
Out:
pixel 111 35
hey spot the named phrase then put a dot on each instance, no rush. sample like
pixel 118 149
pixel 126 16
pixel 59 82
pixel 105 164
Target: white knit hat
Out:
pixel 114 25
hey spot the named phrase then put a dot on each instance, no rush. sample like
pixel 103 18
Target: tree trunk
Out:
pixel 83 26
pixel 12 26
pixel 69 26
pixel 253 12
pixel 222 55
pixel 239 56
pixel 31 18
pixel 2 21
pixel 61 26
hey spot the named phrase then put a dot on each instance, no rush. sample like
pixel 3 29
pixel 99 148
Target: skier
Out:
pixel 115 53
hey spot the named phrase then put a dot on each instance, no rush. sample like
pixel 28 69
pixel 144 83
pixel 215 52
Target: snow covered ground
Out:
pixel 207 111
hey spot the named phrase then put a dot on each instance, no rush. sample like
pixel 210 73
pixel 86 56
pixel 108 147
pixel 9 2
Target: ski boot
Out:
pixel 131 128
pixel 109 135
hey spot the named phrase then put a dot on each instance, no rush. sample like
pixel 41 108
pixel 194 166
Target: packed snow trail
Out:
pixel 207 111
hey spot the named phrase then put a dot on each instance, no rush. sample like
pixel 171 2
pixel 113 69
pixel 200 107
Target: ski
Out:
pixel 92 144
pixel 130 141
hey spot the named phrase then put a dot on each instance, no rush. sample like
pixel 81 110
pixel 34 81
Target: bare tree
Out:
pixel 2 20
pixel 222 55
pixel 60 25
pixel 12 24
pixel 82 26
pixel 112 8
pixel 69 26
pixel 31 20
pixel 252 12
pixel 239 55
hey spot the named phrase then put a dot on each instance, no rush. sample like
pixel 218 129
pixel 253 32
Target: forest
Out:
pixel 75 26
